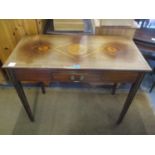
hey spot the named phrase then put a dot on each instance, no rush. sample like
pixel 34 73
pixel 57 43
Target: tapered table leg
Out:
pixel 130 97
pixel 20 92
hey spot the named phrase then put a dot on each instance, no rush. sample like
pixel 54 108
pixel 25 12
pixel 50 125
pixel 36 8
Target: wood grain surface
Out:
pixel 12 30
pixel 77 52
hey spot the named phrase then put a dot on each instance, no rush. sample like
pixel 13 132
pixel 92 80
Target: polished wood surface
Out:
pixel 77 52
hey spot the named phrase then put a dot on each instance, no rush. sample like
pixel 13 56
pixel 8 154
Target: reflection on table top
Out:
pixel 77 52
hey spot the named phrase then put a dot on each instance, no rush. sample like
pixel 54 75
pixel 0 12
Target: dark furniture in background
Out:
pixel 145 40
pixel 144 22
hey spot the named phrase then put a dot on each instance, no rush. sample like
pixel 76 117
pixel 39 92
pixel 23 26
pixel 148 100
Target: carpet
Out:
pixel 74 112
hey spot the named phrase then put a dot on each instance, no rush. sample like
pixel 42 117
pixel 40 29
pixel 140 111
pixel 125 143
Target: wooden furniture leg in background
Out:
pixel 114 89
pixel 43 87
pixel 153 85
pixel 21 94
pixel 130 97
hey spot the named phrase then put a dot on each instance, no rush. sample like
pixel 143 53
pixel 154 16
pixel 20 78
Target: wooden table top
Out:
pixel 77 52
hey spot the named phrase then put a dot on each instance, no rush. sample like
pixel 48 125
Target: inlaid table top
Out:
pixel 77 52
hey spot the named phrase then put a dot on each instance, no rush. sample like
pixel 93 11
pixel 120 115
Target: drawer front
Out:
pixel 119 76
pixel 95 77
pixel 33 75
pixel 74 76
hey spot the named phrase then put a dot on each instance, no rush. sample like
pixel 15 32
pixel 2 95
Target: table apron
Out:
pixel 74 76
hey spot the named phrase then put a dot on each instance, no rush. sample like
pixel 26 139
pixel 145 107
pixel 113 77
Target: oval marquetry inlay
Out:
pixel 34 49
pixel 113 49
pixel 76 49
pixel 40 47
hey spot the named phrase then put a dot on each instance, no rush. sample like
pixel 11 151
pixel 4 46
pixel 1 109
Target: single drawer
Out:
pixel 75 76
pixel 95 77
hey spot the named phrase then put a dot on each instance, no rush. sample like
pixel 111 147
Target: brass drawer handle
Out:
pixel 81 77
pixel 76 78
pixel 72 77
